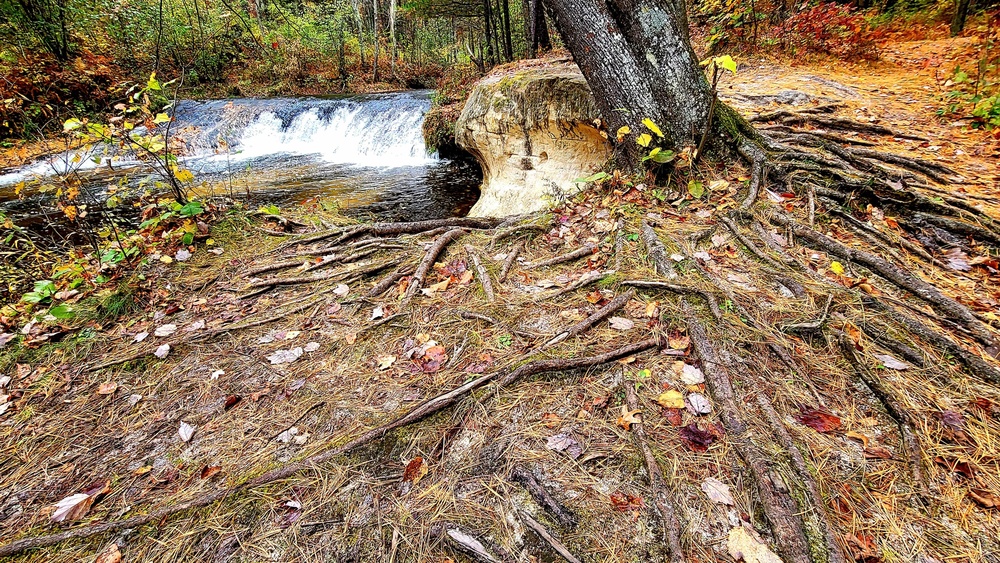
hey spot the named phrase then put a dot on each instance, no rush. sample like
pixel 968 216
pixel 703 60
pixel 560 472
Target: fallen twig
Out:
pixel 482 274
pixel 585 250
pixel 545 535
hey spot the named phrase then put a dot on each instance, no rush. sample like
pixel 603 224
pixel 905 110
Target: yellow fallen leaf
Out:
pixel 672 399
pixel 837 268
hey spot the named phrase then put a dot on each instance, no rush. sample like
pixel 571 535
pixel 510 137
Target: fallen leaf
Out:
pixel 877 452
pixel 466 278
pixel 671 399
pixel 5 338
pixel 621 323
pixel 215 374
pixel 182 255
pixel 341 290
pixel 963 468
pixel 690 374
pixel 859 437
pixel 651 308
pixel 165 330
pixel 679 343
pixel 628 418
pixel 440 286
pixel 285 356
pixel 550 420
pixel 77 506
pixel 186 431
pixel 594 297
pixel 746 545
pixel 210 470
pixel 623 502
pixel 818 419
pixel 673 416
pixel 563 442
pixel 957 260
pixel 696 439
pixel 717 491
pixel 110 554
pixel 891 362
pixel 231 401
pixel 697 404
pixel 162 351
pixel 140 337
pixel 197 325
pixel 351 337
pixel 377 313
pixel 385 362
pixel 984 498
pixel 107 388
pixel 415 470
pixel 434 359
pixel 837 268
pixel 954 426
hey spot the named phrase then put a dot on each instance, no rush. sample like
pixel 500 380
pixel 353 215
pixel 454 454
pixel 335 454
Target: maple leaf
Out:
pixel 628 418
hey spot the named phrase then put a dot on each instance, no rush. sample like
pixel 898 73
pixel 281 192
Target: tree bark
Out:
pixel 958 20
pixel 638 60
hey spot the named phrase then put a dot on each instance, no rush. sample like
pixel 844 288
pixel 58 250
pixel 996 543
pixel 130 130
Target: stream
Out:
pixel 365 152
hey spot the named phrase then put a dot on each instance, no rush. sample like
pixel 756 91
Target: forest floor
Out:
pixel 269 365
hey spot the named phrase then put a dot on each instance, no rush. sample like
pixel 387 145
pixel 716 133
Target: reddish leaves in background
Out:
pixel 434 359
pixel 818 419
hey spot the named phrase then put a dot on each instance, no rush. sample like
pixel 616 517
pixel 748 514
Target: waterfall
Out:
pixel 380 131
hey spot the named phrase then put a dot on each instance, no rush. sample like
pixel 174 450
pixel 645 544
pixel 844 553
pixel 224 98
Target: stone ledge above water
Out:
pixel 533 133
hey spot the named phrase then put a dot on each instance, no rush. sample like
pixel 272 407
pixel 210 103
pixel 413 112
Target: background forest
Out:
pixel 70 57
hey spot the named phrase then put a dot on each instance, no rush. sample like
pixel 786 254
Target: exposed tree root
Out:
pixel 508 262
pixel 604 312
pixel 585 250
pixel 666 508
pixel 481 274
pixel 503 377
pixel 563 515
pixel 417 280
pixel 556 545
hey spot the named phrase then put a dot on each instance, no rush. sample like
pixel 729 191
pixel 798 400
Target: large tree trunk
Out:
pixel 636 57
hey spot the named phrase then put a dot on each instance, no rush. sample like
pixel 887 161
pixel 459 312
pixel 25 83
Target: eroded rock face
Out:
pixel 533 133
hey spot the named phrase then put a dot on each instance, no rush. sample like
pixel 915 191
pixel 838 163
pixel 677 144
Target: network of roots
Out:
pixel 833 312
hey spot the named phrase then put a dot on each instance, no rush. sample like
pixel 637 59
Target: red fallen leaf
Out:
pixel 171 309
pixel 818 419
pixel 434 359
pixel 550 419
pixel 623 502
pixel 954 426
pixel 984 498
pixel 415 470
pixel 673 416
pixel 210 470
pixel 862 547
pixel 696 439
pixel 963 468
pixel 232 401
pixel 600 402
pixel 877 452
pixel 983 404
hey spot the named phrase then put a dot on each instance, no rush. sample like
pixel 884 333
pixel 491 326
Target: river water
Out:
pixel 367 153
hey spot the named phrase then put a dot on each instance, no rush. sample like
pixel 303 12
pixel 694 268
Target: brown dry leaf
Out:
pixel 466 278
pixel 963 468
pixel 673 416
pixel 628 418
pixel 818 419
pixel 142 470
pixel 550 420
pixel 415 470
pixel 210 470
pixel 746 545
pixel 651 308
pixel 434 359
pixel 231 401
pixel 984 498
pixel 107 388
pixel 877 452
pixel 77 506
pixel 859 437
pixel 110 554
pixel 385 362
pixel 624 502
pixel 351 337
pixel 433 289
pixel 679 343
pixel 594 297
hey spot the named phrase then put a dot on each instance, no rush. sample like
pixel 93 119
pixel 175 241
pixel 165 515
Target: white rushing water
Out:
pixel 380 131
